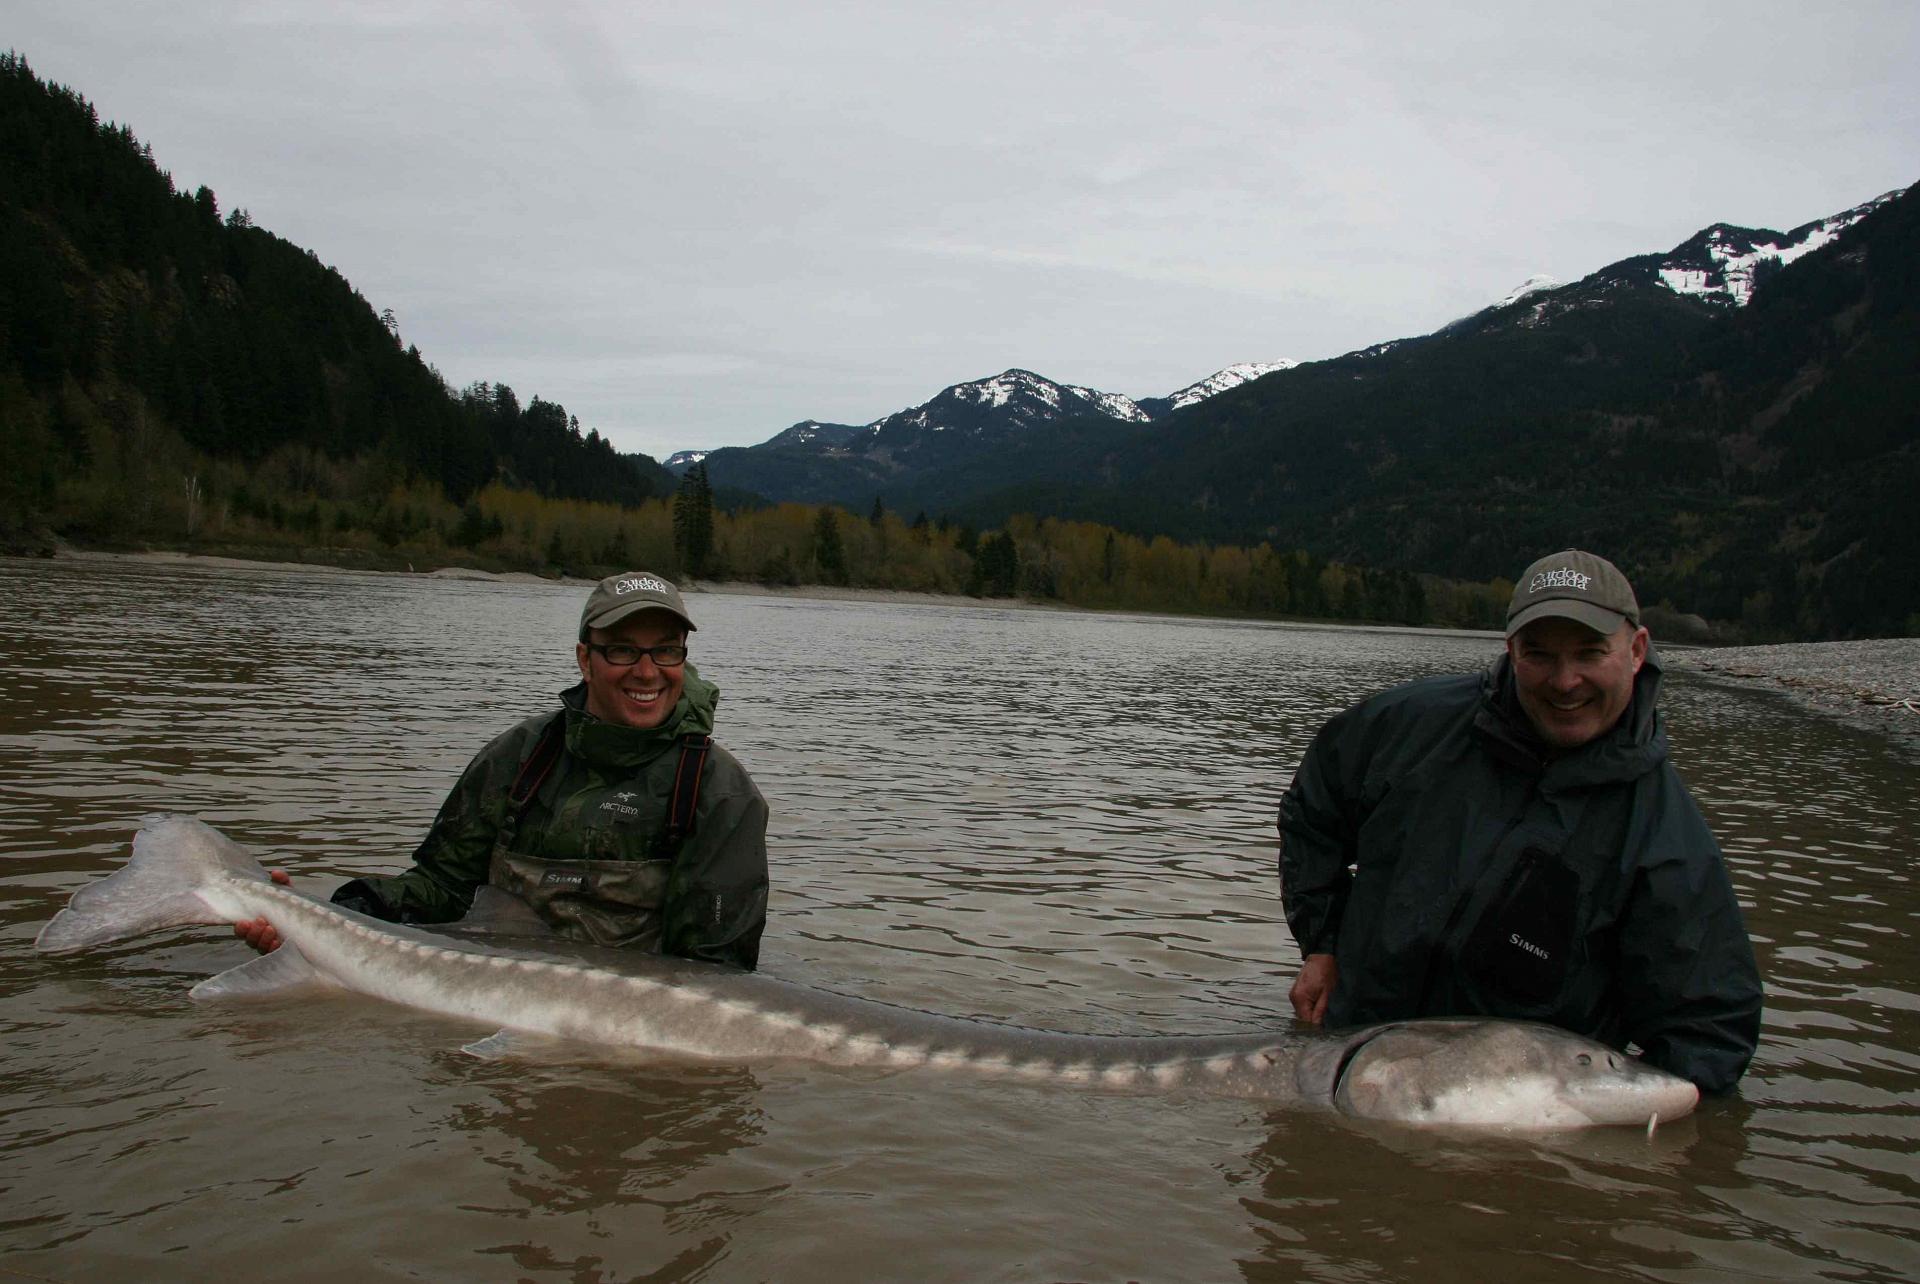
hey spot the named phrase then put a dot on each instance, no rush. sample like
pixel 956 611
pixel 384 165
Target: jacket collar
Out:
pixel 611 744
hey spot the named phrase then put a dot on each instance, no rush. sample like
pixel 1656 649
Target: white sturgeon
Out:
pixel 1476 1073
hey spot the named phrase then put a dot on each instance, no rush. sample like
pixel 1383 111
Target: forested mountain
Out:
pixel 1735 419
pixel 137 325
pixel 1753 464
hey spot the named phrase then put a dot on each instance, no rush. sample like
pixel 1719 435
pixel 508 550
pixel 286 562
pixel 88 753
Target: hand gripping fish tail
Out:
pixel 512 975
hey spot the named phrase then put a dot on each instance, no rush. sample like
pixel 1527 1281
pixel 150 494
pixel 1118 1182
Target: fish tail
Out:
pixel 169 881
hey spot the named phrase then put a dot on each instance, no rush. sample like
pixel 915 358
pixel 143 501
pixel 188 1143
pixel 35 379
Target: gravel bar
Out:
pixel 1874 682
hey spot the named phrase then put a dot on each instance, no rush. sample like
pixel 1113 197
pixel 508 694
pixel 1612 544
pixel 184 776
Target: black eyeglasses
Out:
pixel 620 654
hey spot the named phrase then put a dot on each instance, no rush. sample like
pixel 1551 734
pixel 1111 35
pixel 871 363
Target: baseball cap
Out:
pixel 618 596
pixel 1578 586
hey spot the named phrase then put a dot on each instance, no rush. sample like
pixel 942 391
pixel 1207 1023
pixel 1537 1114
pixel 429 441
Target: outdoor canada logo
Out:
pixel 638 584
pixel 1559 579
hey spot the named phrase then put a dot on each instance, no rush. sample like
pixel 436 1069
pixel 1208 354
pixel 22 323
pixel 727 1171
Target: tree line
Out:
pixel 299 505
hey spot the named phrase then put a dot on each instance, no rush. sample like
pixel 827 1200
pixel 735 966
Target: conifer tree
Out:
pixel 829 555
pixel 693 520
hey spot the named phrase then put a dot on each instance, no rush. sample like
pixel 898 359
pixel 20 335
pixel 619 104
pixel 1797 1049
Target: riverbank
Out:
pixel 1872 683
pixel 817 592
pixel 736 588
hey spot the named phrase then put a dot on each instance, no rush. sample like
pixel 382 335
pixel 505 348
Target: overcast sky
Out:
pixel 696 223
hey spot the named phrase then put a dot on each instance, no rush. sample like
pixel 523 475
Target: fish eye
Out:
pixel 1584 1059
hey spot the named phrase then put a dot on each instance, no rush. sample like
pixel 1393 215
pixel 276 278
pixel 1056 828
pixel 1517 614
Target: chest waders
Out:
pixel 602 902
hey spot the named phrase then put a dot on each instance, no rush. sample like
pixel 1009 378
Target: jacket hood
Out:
pixel 1636 744
pixel 612 744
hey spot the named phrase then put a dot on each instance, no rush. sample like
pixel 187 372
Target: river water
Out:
pixel 1050 818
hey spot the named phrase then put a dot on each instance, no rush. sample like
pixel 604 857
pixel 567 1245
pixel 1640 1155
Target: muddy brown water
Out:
pixel 1052 818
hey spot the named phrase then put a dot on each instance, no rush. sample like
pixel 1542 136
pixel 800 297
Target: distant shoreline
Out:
pixel 741 588
pixel 1872 684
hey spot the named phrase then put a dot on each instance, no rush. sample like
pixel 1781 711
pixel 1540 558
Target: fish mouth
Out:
pixel 1643 1095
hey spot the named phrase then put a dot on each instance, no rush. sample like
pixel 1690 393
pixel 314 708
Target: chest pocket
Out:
pixel 1521 948
pixel 602 902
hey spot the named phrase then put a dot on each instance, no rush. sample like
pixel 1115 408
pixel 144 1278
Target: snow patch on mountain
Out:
pixel 1112 404
pixel 1532 285
pixel 1722 261
pixel 1221 380
pixel 1002 388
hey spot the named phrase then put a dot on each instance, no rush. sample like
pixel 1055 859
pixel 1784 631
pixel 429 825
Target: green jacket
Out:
pixel 601 813
pixel 1454 866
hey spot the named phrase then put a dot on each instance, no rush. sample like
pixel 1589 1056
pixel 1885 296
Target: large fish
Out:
pixel 1478 1073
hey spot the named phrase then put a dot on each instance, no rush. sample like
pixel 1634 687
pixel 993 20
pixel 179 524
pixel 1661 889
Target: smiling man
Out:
pixel 616 818
pixel 1517 844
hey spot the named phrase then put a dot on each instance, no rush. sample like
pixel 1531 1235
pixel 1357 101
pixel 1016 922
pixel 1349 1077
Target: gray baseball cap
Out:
pixel 618 596
pixel 1583 587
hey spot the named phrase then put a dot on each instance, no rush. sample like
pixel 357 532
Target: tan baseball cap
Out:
pixel 618 596
pixel 1583 587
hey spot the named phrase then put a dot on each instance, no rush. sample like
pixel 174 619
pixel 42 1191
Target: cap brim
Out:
pixel 1597 618
pixel 607 619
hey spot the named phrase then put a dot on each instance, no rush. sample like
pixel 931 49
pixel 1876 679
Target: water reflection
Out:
pixel 1043 817
pixel 608 1156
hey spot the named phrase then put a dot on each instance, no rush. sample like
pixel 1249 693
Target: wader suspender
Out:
pixel 686 791
pixel 680 803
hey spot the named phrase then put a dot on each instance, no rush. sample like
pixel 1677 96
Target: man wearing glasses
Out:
pixel 616 819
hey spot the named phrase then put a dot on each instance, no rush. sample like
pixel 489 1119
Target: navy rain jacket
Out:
pixel 1454 866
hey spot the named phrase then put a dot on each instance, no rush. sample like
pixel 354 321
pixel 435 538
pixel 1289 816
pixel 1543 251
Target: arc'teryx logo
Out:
pixel 1559 579
pixel 638 584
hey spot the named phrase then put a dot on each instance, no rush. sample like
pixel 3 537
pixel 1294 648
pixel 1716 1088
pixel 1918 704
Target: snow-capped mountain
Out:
pixel 1008 401
pixel 979 425
pixel 1011 399
pixel 1719 265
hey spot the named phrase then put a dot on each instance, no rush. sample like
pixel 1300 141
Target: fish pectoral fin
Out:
pixel 284 969
pixel 499 913
pixel 504 1045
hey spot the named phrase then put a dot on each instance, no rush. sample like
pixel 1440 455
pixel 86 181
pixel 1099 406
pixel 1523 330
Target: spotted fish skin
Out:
pixel 183 871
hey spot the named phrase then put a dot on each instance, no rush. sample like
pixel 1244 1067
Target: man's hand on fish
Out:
pixel 257 932
pixel 1313 987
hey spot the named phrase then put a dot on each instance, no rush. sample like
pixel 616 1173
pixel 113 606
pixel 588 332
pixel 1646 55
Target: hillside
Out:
pixel 145 336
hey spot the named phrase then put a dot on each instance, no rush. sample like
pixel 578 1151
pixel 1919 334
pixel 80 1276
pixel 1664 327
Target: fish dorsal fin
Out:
pixel 284 969
pixel 499 913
